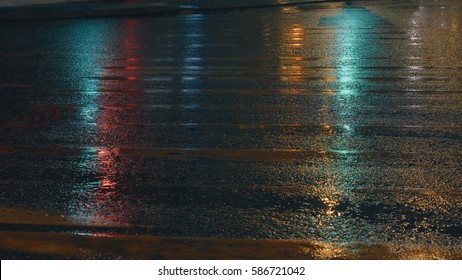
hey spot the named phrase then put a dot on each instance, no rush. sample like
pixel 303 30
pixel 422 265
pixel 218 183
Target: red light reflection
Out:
pixel 110 204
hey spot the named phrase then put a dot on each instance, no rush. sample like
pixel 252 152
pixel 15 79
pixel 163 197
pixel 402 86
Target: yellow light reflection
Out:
pixel 291 68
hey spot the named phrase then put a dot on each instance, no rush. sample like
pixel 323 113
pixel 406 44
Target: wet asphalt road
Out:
pixel 332 122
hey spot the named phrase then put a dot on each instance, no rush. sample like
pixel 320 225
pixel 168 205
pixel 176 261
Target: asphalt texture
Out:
pixel 337 123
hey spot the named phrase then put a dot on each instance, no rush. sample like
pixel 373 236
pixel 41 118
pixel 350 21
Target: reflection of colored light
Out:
pixel 192 65
pixel 330 202
pixel 294 37
pixel 349 45
pixel 347 127
pixel 88 37
pixel 101 203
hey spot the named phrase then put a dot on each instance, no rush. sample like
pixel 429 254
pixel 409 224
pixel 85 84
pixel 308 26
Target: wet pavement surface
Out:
pixel 335 122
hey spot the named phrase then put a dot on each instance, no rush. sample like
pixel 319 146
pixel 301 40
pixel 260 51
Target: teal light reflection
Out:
pixel 349 44
pixel 87 42
pixel 354 43
pixel 344 173
pixel 91 45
